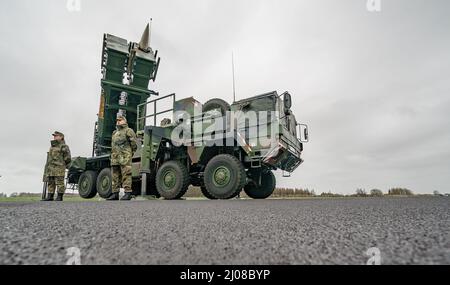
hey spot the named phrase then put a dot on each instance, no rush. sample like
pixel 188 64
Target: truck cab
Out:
pixel 287 138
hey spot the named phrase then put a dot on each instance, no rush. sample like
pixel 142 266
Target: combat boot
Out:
pixel 127 197
pixel 59 198
pixel 49 197
pixel 113 197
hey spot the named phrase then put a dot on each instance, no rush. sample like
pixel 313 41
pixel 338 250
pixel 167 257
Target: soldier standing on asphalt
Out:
pixel 58 160
pixel 123 147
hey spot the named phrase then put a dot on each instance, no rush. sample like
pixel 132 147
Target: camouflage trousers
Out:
pixel 121 176
pixel 54 182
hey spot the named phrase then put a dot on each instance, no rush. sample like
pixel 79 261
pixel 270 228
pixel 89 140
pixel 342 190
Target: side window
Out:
pixel 281 108
pixel 284 119
pixel 293 126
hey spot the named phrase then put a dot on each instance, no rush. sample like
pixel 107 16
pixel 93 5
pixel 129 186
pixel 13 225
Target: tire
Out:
pixel 268 182
pixel 104 183
pixel 87 184
pixel 224 177
pixel 206 194
pixel 172 180
pixel 217 104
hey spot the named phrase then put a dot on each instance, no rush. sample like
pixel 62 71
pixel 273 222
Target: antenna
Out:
pixel 234 82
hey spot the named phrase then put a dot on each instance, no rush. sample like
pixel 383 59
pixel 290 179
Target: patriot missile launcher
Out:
pixel 220 147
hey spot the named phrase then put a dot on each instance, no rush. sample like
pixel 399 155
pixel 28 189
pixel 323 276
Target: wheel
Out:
pixel 268 182
pixel 217 104
pixel 206 194
pixel 104 183
pixel 151 188
pixel 224 177
pixel 172 180
pixel 87 187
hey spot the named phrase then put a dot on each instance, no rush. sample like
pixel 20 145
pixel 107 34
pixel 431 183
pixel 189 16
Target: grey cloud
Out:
pixel 373 87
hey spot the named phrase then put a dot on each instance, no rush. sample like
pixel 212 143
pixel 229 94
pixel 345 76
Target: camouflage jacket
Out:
pixel 58 159
pixel 123 146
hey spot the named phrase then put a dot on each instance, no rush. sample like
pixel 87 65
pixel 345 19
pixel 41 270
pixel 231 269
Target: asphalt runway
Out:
pixel 308 231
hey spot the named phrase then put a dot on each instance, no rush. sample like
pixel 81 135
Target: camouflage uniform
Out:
pixel 58 160
pixel 123 147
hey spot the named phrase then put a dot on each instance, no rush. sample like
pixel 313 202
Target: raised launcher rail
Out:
pixel 127 68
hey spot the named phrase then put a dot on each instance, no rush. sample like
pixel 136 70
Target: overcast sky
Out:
pixel 373 86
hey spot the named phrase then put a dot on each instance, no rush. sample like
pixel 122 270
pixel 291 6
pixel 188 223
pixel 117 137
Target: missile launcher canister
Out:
pixel 127 69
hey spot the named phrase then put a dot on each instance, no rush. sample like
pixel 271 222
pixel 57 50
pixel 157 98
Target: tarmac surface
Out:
pixel 249 232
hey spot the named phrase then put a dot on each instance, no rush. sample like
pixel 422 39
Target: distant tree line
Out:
pixel 293 192
pixel 299 192
pixel 400 192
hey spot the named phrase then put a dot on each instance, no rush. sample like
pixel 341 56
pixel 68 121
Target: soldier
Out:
pixel 58 160
pixel 123 147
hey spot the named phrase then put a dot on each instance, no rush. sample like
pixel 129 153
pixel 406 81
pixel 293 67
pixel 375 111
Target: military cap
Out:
pixel 58 134
pixel 120 117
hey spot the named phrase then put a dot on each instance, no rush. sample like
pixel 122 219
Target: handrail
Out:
pixel 142 118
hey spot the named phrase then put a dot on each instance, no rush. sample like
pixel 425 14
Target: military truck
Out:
pixel 224 156
pixel 221 148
